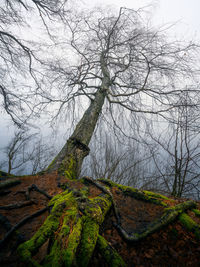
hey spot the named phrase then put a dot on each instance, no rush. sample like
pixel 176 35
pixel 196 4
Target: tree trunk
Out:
pixel 73 229
pixel 70 158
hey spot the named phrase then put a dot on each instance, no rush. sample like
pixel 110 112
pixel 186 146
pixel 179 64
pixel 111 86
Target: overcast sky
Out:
pixel 185 12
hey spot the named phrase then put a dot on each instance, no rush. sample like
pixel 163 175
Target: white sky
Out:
pixel 186 12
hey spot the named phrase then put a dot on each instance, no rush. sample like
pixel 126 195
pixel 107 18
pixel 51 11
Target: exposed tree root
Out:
pixel 17 205
pixel 74 222
pixel 7 225
pixel 137 194
pixel 109 253
pixel 190 225
pixel 35 188
pixel 72 228
pixel 107 191
pixel 169 215
pixel 9 183
pixel 22 222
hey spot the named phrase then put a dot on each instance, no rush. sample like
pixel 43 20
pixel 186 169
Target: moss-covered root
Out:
pixel 72 223
pixel 95 212
pixel 9 183
pixel 60 203
pixel 109 253
pixel 137 194
pixel 88 241
pixel 196 212
pixel 190 225
pixel 63 251
pixel 169 215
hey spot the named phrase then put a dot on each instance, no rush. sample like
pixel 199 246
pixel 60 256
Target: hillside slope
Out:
pixel 140 228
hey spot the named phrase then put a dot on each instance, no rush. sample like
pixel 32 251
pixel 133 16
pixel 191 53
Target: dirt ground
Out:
pixel 171 246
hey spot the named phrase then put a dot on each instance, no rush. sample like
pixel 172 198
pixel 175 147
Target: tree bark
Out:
pixel 70 158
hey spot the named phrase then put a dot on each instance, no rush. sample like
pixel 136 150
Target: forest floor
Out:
pixel 170 246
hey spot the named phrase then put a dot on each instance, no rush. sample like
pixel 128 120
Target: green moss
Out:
pixel 196 212
pixel 66 229
pixel 95 211
pixel 88 241
pixel 55 257
pixel 156 195
pixel 137 194
pixel 51 224
pixel 65 196
pixel 31 246
pixel 51 164
pixel 169 215
pixel 190 225
pixel 97 208
pixel 69 254
pixel 85 191
pixel 109 253
pixel 61 255
pixel 68 168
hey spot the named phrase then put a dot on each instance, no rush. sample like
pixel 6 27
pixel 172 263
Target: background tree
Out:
pixel 17 153
pixel 119 61
pixel 19 58
pixel 175 151
pixel 123 162
pixel 26 153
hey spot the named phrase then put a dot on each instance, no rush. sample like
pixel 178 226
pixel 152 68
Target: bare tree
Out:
pixel 41 156
pixel 117 61
pixel 18 152
pixel 120 62
pixel 19 59
pixel 120 162
pixel 177 151
pixel 27 153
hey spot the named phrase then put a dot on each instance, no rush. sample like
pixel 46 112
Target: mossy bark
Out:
pixel 70 158
pixel 109 253
pixel 72 225
pixel 137 194
pixel 190 224
pixel 196 212
pixel 72 228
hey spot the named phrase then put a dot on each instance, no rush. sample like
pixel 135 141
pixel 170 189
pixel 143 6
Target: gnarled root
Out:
pixel 190 225
pixel 109 253
pixel 169 215
pixel 73 223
